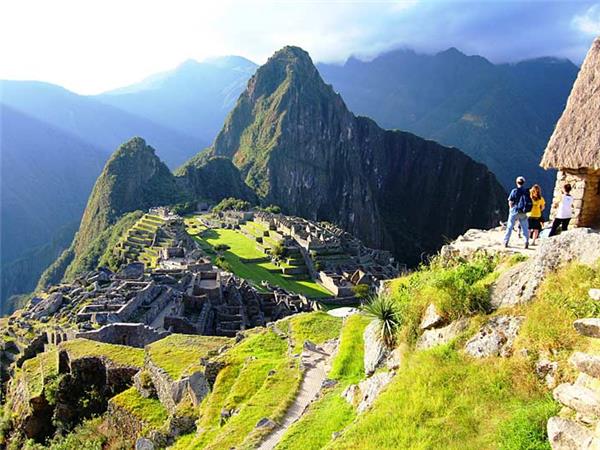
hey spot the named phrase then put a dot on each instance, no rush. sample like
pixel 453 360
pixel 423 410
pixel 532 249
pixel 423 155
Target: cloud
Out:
pixel 589 23
pixel 98 45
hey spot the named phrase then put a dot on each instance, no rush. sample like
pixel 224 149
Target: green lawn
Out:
pixel 240 246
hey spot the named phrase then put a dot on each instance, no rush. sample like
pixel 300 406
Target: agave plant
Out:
pixel 387 314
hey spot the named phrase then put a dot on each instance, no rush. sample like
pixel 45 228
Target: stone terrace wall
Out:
pixel 132 334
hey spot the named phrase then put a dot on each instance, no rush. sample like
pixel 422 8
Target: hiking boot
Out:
pixel 526 245
pixel 506 245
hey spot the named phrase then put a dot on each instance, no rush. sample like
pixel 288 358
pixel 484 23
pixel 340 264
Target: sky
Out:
pixel 92 46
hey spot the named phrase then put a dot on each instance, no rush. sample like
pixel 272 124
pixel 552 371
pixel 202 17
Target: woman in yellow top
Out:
pixel 535 218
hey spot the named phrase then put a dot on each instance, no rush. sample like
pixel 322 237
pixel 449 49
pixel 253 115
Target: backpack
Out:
pixel 524 204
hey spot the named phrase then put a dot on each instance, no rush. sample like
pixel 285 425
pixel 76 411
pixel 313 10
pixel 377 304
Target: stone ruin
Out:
pixel 334 257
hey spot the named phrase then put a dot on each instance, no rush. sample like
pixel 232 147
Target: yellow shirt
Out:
pixel 538 206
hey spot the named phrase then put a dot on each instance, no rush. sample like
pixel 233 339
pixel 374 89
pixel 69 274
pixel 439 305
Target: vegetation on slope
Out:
pixel 119 354
pixel 260 380
pixel 443 399
pixel 177 354
pixel 331 413
pixel 150 411
pixel 457 289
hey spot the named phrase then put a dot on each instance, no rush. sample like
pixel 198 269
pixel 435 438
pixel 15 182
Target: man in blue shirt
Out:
pixel 515 199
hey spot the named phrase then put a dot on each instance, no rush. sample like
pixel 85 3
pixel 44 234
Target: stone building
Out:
pixel 574 147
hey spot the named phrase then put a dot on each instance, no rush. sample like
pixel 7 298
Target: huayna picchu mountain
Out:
pixel 298 146
pixel 291 141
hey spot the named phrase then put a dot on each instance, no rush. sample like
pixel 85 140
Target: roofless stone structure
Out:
pixel 574 147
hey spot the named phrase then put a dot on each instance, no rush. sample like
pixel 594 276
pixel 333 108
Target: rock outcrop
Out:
pixel 519 284
pixel 578 426
pixel 495 338
pixel 438 336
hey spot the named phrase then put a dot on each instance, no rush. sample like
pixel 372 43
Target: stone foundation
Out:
pixel 585 185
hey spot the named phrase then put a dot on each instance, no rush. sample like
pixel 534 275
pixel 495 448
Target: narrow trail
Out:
pixel 317 363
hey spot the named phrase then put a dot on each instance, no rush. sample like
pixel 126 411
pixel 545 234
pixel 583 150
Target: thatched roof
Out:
pixel 575 142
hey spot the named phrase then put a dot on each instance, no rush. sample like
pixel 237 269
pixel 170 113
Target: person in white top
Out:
pixel 563 212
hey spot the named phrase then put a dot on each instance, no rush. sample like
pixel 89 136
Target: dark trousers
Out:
pixel 562 223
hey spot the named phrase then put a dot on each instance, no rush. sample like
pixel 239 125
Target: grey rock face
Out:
pixel 565 434
pixel 351 394
pixel 431 318
pixel 495 338
pixel 132 271
pixel 375 351
pixel 583 400
pixel 586 363
pixel 588 327
pixel 47 306
pixel 519 284
pixel 144 444
pixel 371 387
pixel 439 336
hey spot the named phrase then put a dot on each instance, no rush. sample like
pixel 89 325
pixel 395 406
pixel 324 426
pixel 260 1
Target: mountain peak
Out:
pixel 452 52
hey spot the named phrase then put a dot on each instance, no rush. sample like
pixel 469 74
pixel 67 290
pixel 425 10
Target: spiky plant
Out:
pixel 387 314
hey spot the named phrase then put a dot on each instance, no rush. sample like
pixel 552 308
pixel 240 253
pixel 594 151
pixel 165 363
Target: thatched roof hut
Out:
pixel 575 143
pixel 574 147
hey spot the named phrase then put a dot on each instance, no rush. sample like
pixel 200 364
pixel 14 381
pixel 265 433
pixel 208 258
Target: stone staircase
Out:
pixel 579 428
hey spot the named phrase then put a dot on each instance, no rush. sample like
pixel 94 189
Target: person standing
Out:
pixel 519 204
pixel 563 212
pixel 535 216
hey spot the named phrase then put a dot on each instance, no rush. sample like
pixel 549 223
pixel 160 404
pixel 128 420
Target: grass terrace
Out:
pixel 242 249
pixel 150 411
pixel 38 369
pixel 179 354
pixel 119 354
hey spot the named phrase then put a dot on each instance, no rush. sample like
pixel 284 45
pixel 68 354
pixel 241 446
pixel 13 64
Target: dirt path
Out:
pixel 317 362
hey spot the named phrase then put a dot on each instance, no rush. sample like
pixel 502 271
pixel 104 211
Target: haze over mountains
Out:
pixel 501 115
pixel 291 141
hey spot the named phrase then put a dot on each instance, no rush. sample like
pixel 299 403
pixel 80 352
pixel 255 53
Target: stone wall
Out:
pixel 132 334
pixel 585 185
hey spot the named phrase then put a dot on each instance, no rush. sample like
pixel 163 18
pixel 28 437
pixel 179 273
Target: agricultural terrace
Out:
pixel 246 258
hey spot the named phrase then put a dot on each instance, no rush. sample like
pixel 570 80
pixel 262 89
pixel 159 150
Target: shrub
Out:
pixel 361 290
pixel 278 250
pixel 230 203
pixel 273 209
pixel 222 248
pixel 387 314
pixel 457 288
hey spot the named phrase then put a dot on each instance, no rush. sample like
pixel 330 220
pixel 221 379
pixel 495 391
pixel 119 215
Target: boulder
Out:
pixel 351 394
pixel 144 444
pixel 594 294
pixel 375 351
pixel 495 338
pixel 439 336
pixel 583 400
pixel 394 359
pixel 565 434
pixel 132 271
pixel 47 306
pixel 431 318
pixel 265 422
pixel 586 363
pixel 519 284
pixel 588 327
pixel 371 387
pixel 546 370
